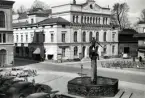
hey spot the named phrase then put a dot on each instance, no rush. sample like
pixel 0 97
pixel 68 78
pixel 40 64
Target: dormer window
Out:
pixel 91 6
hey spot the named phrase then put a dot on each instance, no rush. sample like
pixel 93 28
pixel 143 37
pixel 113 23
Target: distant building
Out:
pixel 6 34
pixel 67 31
pixel 141 38
pixel 128 44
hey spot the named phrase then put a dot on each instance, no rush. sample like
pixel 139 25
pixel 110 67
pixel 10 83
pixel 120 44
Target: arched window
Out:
pixel 84 36
pixel 75 51
pixel 104 36
pixel 97 36
pixel 2 19
pixel 90 37
pixel 104 49
pixel 75 36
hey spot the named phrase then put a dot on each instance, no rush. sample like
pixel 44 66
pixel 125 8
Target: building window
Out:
pixel 73 18
pixel 0 38
pixel 21 38
pixel 82 18
pixel 32 37
pixel 85 19
pixel 103 20
pixel 2 19
pixel 37 37
pixel 52 37
pixel 93 20
pixel 75 36
pixel 113 49
pixel 106 20
pixel 32 21
pixel 17 38
pixel 63 26
pixel 63 52
pixel 99 20
pixel 43 37
pixel 113 36
pixel 26 37
pixel 84 36
pixel 90 37
pixel 91 6
pixel 75 51
pixel 4 38
pixel 97 36
pixel 104 49
pixel 88 20
pixel 77 19
pixel 96 20
pixel 63 37
pixel 104 37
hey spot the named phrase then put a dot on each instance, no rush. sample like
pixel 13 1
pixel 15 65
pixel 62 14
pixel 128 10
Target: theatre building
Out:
pixel 67 32
pixel 6 34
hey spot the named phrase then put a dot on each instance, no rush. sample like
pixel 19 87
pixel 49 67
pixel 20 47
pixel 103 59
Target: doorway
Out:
pixel 2 57
pixel 126 49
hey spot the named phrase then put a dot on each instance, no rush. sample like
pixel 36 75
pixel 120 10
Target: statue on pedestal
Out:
pixel 93 54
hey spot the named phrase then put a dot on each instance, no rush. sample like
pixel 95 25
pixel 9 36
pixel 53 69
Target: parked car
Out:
pixel 125 56
pixel 39 95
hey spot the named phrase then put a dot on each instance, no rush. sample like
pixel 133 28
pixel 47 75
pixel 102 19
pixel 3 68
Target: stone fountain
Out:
pixel 94 85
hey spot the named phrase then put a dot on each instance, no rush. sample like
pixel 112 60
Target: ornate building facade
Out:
pixel 68 32
pixel 6 34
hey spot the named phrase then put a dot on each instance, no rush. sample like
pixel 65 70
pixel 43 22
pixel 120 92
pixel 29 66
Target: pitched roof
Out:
pixel 40 12
pixel 58 20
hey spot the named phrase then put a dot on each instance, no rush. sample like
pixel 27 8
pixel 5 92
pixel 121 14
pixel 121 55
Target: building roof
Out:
pixel 47 21
pixel 57 20
pixel 6 2
pixel 128 31
pixel 40 12
pixel 19 24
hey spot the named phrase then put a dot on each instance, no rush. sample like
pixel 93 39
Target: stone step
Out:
pixel 119 94
pixel 127 94
pixel 135 95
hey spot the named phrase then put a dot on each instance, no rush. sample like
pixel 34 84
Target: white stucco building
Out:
pixel 68 32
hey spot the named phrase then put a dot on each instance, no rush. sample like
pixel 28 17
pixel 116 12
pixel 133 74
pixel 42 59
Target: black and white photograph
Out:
pixel 72 48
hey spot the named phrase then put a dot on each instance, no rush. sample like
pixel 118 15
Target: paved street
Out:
pixel 121 75
pixel 57 76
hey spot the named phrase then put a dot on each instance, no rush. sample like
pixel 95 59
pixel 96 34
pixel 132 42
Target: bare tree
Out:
pixel 21 9
pixel 143 15
pixel 39 4
pixel 120 13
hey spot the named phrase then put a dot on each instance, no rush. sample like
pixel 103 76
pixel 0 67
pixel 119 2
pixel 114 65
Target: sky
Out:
pixel 135 5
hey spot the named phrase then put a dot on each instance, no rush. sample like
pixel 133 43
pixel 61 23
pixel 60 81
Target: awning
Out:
pixel 37 51
pixel 141 50
pixel 139 35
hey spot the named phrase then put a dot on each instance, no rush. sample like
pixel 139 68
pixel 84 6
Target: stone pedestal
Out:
pixel 82 86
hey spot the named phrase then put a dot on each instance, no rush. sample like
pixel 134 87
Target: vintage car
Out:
pixel 13 88
pixel 48 95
